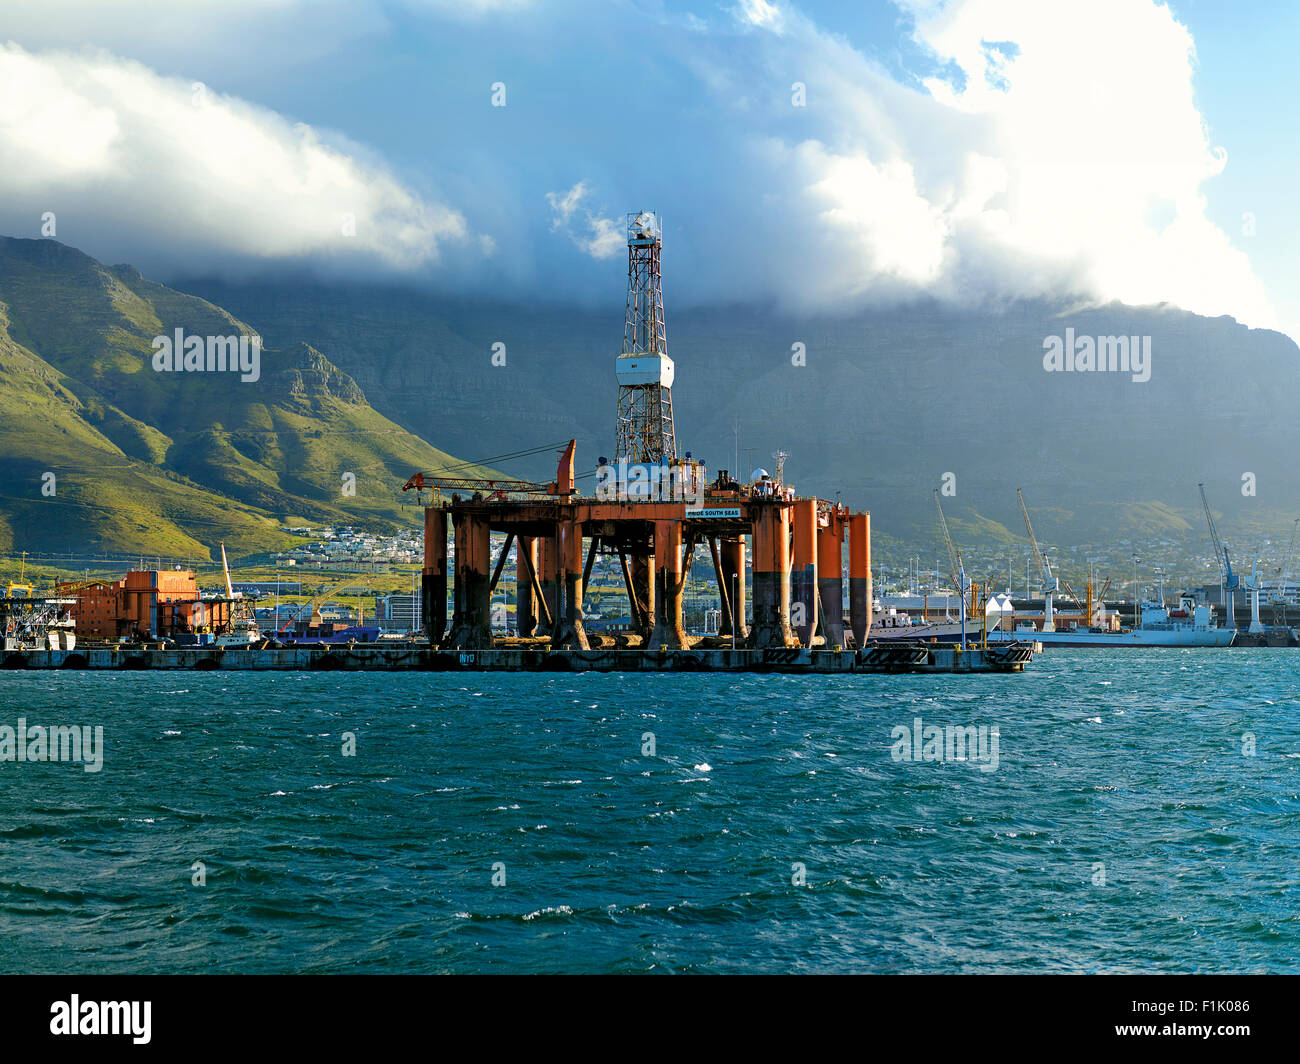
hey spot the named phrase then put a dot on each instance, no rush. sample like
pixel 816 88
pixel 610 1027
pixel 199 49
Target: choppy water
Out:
pixel 619 862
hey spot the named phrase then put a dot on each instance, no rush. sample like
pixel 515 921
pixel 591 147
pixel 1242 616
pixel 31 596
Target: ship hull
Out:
pixel 1139 638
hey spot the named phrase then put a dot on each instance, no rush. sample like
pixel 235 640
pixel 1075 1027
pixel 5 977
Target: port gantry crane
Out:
pixel 1050 583
pixel 1228 580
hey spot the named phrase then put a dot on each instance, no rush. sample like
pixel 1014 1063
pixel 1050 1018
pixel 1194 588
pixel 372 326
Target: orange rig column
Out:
pixel 526 606
pixel 471 621
pixel 803 576
pixel 569 631
pixel 732 552
pixel 433 580
pixel 669 632
pixel 860 577
pixel 771 577
pixel 830 577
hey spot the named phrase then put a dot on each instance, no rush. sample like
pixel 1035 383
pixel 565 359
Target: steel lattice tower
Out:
pixel 644 370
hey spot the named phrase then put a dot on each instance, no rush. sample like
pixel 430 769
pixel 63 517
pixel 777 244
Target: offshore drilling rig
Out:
pixel 778 558
pixel 652 510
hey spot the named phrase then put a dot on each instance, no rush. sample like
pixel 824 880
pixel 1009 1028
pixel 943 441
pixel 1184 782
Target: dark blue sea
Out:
pixel 1143 816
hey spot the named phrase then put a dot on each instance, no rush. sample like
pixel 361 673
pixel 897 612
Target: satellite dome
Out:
pixel 758 474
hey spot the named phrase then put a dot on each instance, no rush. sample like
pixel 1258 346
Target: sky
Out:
pixel 814 156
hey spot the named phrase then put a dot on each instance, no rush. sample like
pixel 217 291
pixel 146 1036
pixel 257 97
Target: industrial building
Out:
pixel 145 604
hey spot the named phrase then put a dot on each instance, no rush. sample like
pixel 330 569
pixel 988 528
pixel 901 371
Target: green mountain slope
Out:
pixel 164 462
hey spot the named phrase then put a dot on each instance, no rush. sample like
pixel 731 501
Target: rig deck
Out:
pixel 891 658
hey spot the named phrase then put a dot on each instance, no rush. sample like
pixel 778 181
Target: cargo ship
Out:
pixel 1185 625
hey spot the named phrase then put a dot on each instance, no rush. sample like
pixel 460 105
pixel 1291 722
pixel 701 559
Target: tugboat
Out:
pixel 888 625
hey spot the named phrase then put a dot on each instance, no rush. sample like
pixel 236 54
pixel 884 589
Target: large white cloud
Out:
pixel 1054 149
pixel 599 237
pixel 106 142
pixel 1060 151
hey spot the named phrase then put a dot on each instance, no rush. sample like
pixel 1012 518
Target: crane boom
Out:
pixel 314 602
pixel 1077 601
pixel 1044 568
pixel 499 487
pixel 225 568
pixel 954 555
pixel 1228 577
pixel 1278 596
pixel 1279 593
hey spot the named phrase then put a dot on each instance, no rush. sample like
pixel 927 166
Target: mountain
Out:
pixel 99 450
pixel 889 400
pixel 353 379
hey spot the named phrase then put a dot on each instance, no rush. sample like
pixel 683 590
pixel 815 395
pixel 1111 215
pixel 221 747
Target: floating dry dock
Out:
pixel 893 658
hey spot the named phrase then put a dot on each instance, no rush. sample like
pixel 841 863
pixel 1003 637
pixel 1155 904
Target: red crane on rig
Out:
pixel 495 489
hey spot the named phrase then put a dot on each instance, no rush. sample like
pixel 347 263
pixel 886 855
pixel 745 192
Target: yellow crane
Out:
pixel 322 593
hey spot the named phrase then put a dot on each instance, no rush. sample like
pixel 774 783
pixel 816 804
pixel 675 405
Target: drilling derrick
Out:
pixel 644 370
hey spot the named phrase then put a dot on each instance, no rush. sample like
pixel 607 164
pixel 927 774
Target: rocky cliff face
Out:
pixel 102 450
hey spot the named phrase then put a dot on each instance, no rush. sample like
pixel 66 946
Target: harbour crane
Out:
pixel 314 603
pixel 1228 580
pixel 957 569
pixel 1050 583
pixel 1252 585
pixel 955 565
pixel 1277 596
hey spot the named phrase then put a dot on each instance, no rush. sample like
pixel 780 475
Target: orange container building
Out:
pixel 145 604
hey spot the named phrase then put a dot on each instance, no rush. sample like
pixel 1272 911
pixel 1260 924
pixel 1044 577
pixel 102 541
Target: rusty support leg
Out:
pixel 733 574
pixel 471 624
pixel 830 579
pixel 772 578
pixel 549 572
pixel 643 582
pixel 433 580
pixel 539 599
pixel 591 558
pixel 803 575
pixel 633 606
pixel 668 633
pixel 501 560
pixel 860 577
pixel 570 633
pixel 525 582
pixel 724 591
